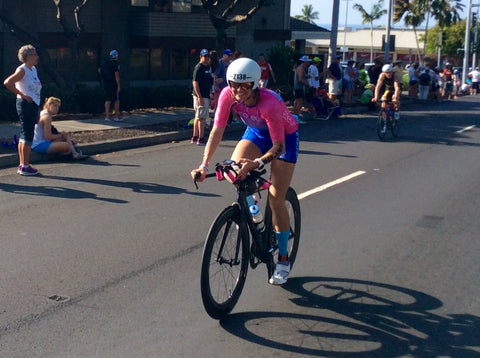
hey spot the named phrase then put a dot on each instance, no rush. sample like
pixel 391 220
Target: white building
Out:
pixel 358 43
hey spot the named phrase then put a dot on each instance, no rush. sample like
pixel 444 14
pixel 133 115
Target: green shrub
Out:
pixel 89 99
pixel 283 59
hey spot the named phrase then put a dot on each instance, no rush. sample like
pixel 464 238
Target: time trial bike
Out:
pixel 234 241
pixel 386 121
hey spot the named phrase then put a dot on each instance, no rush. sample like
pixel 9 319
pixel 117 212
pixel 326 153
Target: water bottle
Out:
pixel 389 112
pixel 257 217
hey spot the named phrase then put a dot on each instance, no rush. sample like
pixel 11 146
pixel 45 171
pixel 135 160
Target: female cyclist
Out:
pixel 271 137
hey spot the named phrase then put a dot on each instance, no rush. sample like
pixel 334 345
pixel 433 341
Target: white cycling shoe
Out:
pixel 280 275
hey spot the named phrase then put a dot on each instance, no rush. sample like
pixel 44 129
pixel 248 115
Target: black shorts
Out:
pixel 111 93
pixel 298 93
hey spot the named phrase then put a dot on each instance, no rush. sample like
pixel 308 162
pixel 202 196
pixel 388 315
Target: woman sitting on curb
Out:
pixel 44 141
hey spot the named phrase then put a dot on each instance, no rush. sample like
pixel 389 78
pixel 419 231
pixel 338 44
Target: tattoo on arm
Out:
pixel 271 155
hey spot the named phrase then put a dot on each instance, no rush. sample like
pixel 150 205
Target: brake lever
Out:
pixel 197 175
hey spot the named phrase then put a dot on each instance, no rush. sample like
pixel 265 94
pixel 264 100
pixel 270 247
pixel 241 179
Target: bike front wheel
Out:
pixel 293 207
pixel 224 263
pixel 382 124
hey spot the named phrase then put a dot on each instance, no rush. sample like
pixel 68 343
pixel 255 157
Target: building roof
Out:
pixel 300 25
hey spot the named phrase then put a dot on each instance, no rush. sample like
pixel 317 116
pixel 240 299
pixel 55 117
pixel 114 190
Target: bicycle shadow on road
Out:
pixel 137 187
pixel 343 317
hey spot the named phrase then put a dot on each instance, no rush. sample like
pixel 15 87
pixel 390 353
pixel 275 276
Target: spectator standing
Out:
pixel 44 141
pixel 457 79
pixel 447 75
pixel 299 83
pixel 424 83
pixel 362 75
pixel 398 72
pixel 375 71
pixel 110 73
pixel 334 76
pixel 26 85
pixel 437 85
pixel 413 74
pixel 314 76
pixel 221 72
pixel 266 69
pixel 202 89
pixel 350 76
pixel 475 77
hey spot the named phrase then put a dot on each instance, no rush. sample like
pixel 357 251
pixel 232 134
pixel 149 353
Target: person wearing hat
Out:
pixel 474 75
pixel 334 76
pixel 266 71
pixel 202 90
pixel 314 76
pixel 110 73
pixel 221 73
pixel 367 95
pixel 299 83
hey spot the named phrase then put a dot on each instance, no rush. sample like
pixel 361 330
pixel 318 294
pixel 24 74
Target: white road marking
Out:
pixel 329 185
pixel 469 128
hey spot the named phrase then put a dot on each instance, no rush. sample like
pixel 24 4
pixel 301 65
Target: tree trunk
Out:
pixel 420 61
pixel 371 38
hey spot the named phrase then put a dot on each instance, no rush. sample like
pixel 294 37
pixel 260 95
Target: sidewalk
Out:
pixel 9 157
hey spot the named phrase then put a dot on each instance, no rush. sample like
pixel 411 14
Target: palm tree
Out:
pixel 445 13
pixel 308 15
pixel 414 16
pixel 418 11
pixel 376 13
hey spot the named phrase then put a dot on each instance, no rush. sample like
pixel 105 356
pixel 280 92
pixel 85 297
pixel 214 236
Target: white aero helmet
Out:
pixel 244 70
pixel 387 68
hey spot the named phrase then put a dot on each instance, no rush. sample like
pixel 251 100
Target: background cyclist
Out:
pixel 392 90
pixel 271 137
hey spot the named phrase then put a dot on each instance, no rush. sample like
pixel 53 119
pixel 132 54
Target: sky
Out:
pixel 350 17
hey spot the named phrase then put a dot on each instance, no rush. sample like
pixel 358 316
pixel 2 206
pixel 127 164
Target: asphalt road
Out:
pixel 101 258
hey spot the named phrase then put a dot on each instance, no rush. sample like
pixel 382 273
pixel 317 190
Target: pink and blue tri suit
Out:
pixel 268 121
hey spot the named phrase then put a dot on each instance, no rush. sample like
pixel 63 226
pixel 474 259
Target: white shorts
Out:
pixel 202 112
pixel 333 86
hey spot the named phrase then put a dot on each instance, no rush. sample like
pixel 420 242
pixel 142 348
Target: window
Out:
pixel 140 3
pixel 139 60
pixel 182 6
pixel 158 64
pixel 161 5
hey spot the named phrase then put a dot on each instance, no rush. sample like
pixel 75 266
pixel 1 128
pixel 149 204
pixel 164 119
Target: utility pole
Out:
pixel 475 39
pixel 345 30
pixel 387 35
pixel 466 46
pixel 333 34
